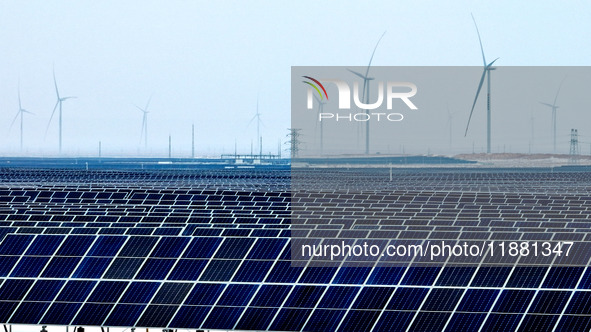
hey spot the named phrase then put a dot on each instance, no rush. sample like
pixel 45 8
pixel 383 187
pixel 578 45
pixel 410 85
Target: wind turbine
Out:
pixel 485 73
pixel 144 131
pixel 449 124
pixel 365 96
pixel 21 111
pixel 554 107
pixel 320 110
pixel 59 102
pixel 258 117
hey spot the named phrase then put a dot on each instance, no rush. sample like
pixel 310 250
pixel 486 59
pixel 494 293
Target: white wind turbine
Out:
pixel 144 131
pixel 21 111
pixel 59 102
pixel 485 73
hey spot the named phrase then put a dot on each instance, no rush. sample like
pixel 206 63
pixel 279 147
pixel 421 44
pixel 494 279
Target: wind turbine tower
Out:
pixel 485 74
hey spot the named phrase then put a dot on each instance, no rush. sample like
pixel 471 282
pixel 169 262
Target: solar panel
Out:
pixel 211 249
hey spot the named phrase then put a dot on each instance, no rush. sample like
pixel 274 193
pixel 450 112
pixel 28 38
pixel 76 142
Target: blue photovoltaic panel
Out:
pixel 237 295
pixel 256 319
pixel 92 267
pixel 204 294
pixel 92 314
pixel 271 295
pixel 6 310
pixel 45 245
pixel 187 269
pixel 560 277
pixel 478 300
pixel 373 298
pixel 514 301
pixel 283 272
pixel 304 296
pixel 539 322
pixel 61 313
pixel 549 302
pixel 357 320
pixel 15 244
pixel 339 297
pixel 455 276
pixel 290 319
pixel 138 246
pixel 234 248
pixel 318 275
pixel 502 322
pixel 465 321
pixel 76 291
pixel 266 248
pixel 407 298
pixel 124 268
pixel 252 271
pixel 223 318
pixel 15 289
pixel 29 267
pixel 125 315
pixel 155 269
pixel 579 304
pixel 190 317
pixel 430 321
pixel 7 264
pixel 325 320
pixel 75 245
pixel 395 320
pixel 107 291
pixel 527 276
pixel 442 299
pixel 220 270
pixel 202 247
pixel 140 292
pixel 352 275
pixel 45 290
pixel 107 246
pixel 170 247
pixel 157 315
pixel 420 275
pixel 487 276
pixel 60 267
pixel 29 312
pixel 172 293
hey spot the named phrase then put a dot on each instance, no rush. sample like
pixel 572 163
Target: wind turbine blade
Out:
pixel 25 111
pixel 19 96
pixel 557 92
pixel 148 103
pixel 52 114
pixel 475 99
pixel 66 98
pixel 479 40
pixel 55 83
pixel 13 120
pixel 356 73
pixel 552 106
pixel 374 52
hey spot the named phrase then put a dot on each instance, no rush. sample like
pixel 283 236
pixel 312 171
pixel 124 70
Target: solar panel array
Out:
pixel 211 249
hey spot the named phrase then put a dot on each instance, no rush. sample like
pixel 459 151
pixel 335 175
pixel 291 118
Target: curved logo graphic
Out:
pixel 318 84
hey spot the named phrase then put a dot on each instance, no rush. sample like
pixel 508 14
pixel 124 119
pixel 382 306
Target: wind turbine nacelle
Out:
pixel 344 92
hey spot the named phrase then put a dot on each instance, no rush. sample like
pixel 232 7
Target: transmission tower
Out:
pixel 294 141
pixel 574 146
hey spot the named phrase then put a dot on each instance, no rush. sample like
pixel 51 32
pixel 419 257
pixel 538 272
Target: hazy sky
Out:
pixel 206 62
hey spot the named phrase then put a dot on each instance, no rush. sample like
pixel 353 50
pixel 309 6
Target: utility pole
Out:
pixel 169 146
pixel 294 141
pixel 574 146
